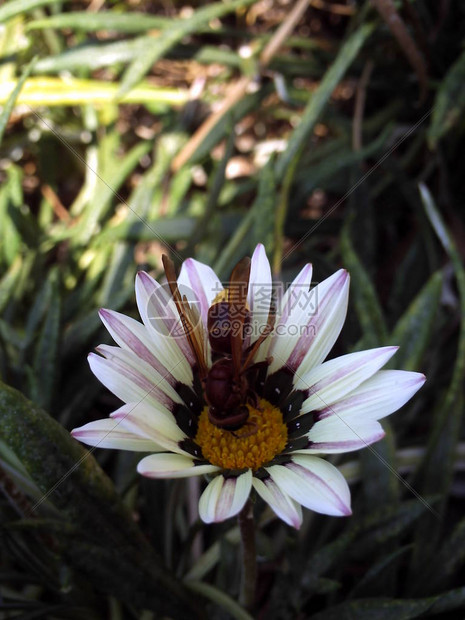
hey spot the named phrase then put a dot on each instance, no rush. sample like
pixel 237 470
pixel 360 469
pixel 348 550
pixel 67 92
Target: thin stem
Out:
pixel 249 556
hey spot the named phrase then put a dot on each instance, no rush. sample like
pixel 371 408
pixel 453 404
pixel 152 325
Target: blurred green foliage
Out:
pixel 329 155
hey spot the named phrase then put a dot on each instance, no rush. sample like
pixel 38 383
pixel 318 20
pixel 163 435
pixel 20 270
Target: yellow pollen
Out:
pixel 224 296
pixel 259 440
pixel 221 296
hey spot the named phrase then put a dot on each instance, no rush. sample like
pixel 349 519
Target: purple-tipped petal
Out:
pixel 284 507
pixel 259 293
pixel 200 284
pixel 157 423
pixel 165 358
pixel 291 312
pixel 312 325
pixel 323 329
pixel 224 497
pixel 160 316
pixel 333 380
pixel 334 435
pixel 314 483
pixel 128 383
pixel 173 466
pixel 379 396
pixel 128 363
pixel 110 433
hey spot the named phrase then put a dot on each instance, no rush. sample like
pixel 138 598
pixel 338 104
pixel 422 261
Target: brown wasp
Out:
pixel 227 384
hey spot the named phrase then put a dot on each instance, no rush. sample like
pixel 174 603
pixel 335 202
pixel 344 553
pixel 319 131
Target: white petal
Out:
pixel 128 361
pixel 286 508
pixel 314 483
pixel 172 466
pixel 313 324
pixel 157 423
pixel 200 284
pixel 332 380
pixel 291 312
pixel 127 383
pixel 331 298
pixel 159 351
pixel 224 497
pixel 377 397
pixel 160 316
pixel 334 435
pixel 260 292
pixel 110 433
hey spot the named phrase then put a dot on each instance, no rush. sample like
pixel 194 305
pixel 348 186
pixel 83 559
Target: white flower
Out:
pixel 295 408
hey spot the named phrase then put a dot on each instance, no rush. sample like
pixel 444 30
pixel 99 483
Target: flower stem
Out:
pixel 249 556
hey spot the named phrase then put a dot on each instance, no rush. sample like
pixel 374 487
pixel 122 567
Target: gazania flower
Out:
pixel 220 382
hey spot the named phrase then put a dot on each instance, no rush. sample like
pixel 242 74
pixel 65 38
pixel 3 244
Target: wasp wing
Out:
pixel 190 319
pixel 263 336
pixel 237 298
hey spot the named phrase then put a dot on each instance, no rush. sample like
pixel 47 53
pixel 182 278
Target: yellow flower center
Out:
pixel 262 437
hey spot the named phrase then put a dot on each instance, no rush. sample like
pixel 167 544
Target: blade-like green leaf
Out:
pixel 449 406
pixel 415 329
pixel 264 209
pixel 380 483
pixel 381 609
pixel 93 56
pixel 364 295
pixel 9 282
pixel 320 97
pixel 217 183
pixel 11 98
pixel 396 609
pixel 450 557
pixel 17 7
pixel 46 358
pixel 161 44
pixel 449 104
pixel 106 540
pixel 377 528
pixel 436 472
pixel 105 20
pixel 50 91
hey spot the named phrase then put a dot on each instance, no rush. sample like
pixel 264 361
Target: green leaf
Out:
pixel 221 599
pixel 112 173
pixel 375 577
pixel 320 97
pixel 395 609
pixel 167 39
pixel 113 287
pixel 86 21
pixel 449 104
pixel 415 329
pixel 46 358
pixel 9 282
pixel 264 209
pixel 364 295
pixel 451 405
pixel 450 557
pixel 381 609
pixel 10 102
pixel 380 483
pixel 436 471
pixel 216 185
pixel 94 56
pixel 52 91
pixel 17 7
pixel 377 528
pixel 106 546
